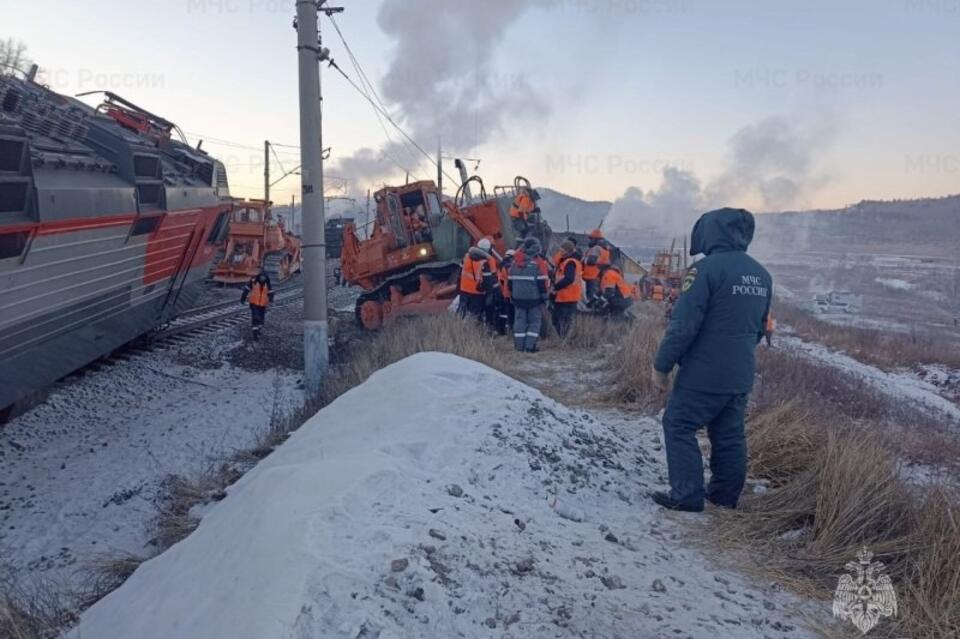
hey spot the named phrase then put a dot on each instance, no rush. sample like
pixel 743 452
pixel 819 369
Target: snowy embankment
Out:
pixel 903 385
pixel 81 474
pixel 415 506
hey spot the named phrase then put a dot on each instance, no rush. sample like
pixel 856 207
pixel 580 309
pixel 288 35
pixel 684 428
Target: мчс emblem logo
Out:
pixel 866 594
pixel 688 279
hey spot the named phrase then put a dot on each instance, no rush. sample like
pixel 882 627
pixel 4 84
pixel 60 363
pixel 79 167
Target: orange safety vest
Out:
pixel 259 294
pixel 471 275
pixel 592 271
pixel 612 278
pixel 574 292
pixel 557 258
pixel 503 275
pixel 522 206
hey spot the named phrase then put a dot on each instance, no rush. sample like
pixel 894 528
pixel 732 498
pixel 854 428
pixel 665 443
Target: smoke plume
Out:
pixel 771 164
pixel 442 81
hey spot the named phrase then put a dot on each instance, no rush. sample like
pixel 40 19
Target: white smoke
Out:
pixel 772 164
pixel 442 81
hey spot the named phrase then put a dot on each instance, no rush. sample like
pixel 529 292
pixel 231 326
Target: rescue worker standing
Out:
pixel 717 323
pixel 259 293
pixel 476 280
pixel 595 260
pixel 520 211
pixel 528 280
pixel 617 294
pixel 567 287
pixel 505 312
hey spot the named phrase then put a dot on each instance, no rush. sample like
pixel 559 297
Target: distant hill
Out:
pixel 583 215
pixel 929 226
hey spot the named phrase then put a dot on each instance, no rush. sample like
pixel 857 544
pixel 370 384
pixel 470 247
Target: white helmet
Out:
pixel 484 244
pixel 511 252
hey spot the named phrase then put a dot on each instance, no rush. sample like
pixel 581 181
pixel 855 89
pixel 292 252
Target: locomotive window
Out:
pixel 145 225
pixel 12 244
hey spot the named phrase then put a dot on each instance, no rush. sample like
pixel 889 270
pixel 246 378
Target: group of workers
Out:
pixel 515 290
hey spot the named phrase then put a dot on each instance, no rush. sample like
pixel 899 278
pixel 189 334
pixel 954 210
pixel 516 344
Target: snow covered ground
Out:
pixel 416 506
pixel 906 385
pixel 81 473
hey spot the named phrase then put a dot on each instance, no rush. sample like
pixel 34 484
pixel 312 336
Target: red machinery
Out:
pixel 257 242
pixel 409 261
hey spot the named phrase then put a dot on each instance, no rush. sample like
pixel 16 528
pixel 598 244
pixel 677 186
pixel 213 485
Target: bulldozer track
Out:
pixel 382 291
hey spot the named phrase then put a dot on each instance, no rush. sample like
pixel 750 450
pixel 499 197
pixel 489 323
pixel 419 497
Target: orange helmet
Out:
pixel 596 234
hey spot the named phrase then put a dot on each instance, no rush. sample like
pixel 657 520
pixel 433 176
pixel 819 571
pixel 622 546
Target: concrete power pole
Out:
pixel 316 355
pixel 266 172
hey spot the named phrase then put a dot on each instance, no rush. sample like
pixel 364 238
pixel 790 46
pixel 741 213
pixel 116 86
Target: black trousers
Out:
pixel 258 315
pixel 563 313
pixel 472 304
pixel 722 415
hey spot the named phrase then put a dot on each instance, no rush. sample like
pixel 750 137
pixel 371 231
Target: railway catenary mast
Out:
pixel 310 52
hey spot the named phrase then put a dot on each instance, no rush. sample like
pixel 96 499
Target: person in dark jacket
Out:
pixel 529 277
pixel 716 324
pixel 567 287
pixel 259 292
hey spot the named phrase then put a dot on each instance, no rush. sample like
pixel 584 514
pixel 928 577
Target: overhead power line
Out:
pixel 382 111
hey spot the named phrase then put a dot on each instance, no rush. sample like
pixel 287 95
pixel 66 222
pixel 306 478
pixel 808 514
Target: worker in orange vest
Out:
pixel 617 294
pixel 505 310
pixel 259 293
pixel 595 260
pixel 477 279
pixel 567 287
pixel 520 211
pixel 769 328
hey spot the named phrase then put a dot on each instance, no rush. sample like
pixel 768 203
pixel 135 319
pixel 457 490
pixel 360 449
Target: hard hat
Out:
pixel 511 252
pixel 484 244
pixel 596 234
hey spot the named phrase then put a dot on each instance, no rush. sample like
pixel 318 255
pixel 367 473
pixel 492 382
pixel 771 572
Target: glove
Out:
pixel 660 380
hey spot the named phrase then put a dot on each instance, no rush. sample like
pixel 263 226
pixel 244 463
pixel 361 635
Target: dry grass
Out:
pixel 632 361
pixel 843 491
pixel 886 349
pixel 32 609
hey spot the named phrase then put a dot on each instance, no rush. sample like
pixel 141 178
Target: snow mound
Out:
pixel 415 506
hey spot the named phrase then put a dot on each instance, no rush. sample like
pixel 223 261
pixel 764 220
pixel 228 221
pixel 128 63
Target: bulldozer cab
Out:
pixel 409 212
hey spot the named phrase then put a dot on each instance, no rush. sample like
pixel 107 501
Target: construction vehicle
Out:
pixel 409 263
pixel 667 270
pixel 257 242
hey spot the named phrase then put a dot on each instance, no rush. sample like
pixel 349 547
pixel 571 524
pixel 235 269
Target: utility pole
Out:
pixel 266 172
pixel 293 214
pixel 440 167
pixel 316 354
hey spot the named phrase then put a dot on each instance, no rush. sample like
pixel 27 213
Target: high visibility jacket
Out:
pixel 612 281
pixel 557 258
pixel 528 280
pixel 657 293
pixel 522 206
pixel 259 294
pixel 471 275
pixel 598 257
pixel 503 276
pixel 574 291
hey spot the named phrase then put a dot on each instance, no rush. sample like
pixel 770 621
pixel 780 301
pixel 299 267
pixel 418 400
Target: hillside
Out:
pixel 565 212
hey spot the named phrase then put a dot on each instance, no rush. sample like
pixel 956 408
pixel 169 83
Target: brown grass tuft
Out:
pixel 631 366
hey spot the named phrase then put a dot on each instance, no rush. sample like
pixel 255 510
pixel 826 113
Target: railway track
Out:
pixel 216 316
